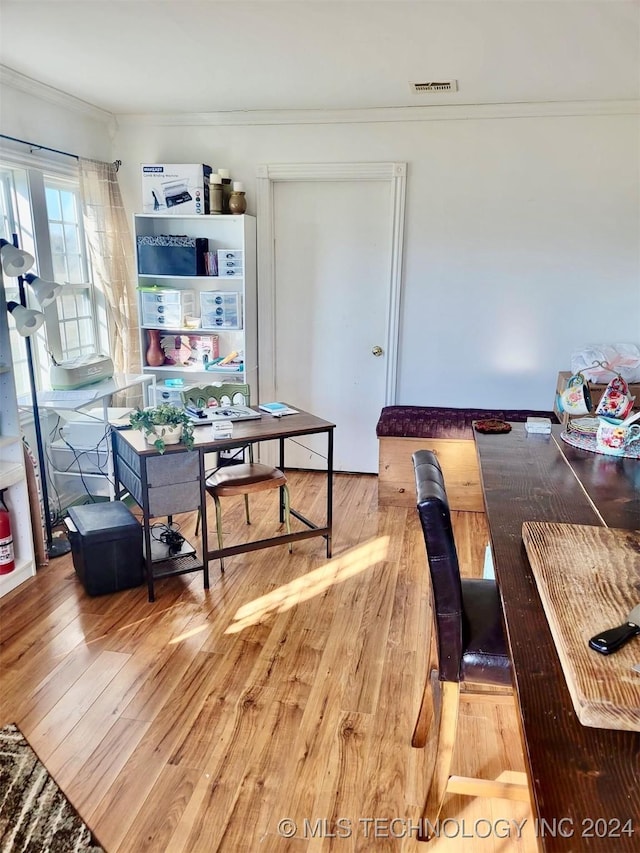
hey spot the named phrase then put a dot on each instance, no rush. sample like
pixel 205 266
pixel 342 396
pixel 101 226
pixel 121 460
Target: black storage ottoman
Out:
pixel 106 546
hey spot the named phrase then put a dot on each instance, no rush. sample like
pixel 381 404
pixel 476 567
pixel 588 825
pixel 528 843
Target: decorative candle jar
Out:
pixel 237 200
pixel 226 189
pixel 215 193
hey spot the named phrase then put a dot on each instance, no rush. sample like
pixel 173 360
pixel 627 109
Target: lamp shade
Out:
pixel 45 292
pixel 27 321
pixel 14 261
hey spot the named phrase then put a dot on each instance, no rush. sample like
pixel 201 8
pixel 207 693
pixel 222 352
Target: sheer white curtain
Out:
pixel 112 259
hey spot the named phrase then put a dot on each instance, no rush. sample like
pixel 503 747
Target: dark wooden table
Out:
pixel 585 781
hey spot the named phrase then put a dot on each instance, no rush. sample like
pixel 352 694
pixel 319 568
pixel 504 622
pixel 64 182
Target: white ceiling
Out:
pixel 180 56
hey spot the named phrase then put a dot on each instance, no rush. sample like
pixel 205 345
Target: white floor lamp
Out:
pixel 15 262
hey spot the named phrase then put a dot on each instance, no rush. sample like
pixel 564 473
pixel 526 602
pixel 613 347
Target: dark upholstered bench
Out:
pixel 401 430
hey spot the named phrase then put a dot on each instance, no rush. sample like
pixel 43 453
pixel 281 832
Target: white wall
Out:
pixel 39 114
pixel 522 232
pixel 521 244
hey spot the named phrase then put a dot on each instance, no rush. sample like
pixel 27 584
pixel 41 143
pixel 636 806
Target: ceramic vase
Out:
pixel 237 202
pixel 155 356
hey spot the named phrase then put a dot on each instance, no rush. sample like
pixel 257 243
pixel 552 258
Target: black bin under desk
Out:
pixel 106 546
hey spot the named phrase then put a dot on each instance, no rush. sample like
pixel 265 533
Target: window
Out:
pixel 9 225
pixel 64 230
pixel 44 210
pixel 75 307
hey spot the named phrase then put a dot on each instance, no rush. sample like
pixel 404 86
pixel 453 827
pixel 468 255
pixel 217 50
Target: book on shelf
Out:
pixel 278 410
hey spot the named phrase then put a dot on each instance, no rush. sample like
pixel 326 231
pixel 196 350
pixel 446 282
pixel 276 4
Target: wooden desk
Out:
pixel 579 775
pixel 173 482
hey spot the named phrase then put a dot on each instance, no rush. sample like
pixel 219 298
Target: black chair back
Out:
pixel 435 517
pixel 472 648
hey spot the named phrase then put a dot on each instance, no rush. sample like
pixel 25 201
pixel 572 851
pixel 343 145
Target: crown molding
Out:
pixel 15 80
pixel 434 112
pixel 440 112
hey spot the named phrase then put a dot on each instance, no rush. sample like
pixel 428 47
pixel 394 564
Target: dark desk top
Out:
pixel 265 428
pixel 578 773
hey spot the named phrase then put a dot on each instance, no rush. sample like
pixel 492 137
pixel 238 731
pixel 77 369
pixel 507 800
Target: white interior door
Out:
pixel 329 276
pixel 332 260
pixel 332 255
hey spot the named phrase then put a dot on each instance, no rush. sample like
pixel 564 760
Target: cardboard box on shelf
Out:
pixel 175 188
pixel 190 350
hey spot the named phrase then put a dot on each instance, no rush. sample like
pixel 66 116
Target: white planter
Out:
pixel 170 433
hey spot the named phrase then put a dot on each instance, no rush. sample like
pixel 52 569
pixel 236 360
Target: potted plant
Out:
pixel 164 424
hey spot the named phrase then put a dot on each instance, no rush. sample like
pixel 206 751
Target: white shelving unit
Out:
pixel 13 476
pixel 224 232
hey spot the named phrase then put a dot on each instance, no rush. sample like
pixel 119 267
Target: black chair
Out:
pixel 471 649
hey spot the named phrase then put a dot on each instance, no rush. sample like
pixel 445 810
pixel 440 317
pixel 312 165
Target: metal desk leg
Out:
pixel 281 467
pixel 203 521
pixel 146 529
pixel 329 489
pixel 117 487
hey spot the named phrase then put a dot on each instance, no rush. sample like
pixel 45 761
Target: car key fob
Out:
pixel 613 639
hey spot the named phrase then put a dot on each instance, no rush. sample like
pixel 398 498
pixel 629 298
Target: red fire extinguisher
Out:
pixel 7 562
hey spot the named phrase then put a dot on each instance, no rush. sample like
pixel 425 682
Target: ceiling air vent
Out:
pixel 435 86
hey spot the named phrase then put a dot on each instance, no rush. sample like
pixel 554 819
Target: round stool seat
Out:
pixel 247 477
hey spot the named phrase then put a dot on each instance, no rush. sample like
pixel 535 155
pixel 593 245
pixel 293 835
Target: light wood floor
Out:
pixel 289 690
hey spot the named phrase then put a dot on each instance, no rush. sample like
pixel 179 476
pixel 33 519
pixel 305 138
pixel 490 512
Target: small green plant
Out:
pixel 165 414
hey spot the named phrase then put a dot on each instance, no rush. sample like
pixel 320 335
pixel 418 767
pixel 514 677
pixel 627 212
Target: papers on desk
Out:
pixel 278 410
pixel 119 418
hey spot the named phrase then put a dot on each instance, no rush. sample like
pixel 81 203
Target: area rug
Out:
pixel 35 815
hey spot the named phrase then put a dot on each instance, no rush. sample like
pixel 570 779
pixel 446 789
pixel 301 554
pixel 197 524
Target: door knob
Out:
pixel 377 351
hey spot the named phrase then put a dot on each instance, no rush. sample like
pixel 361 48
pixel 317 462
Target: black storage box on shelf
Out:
pixel 106 546
pixel 170 254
